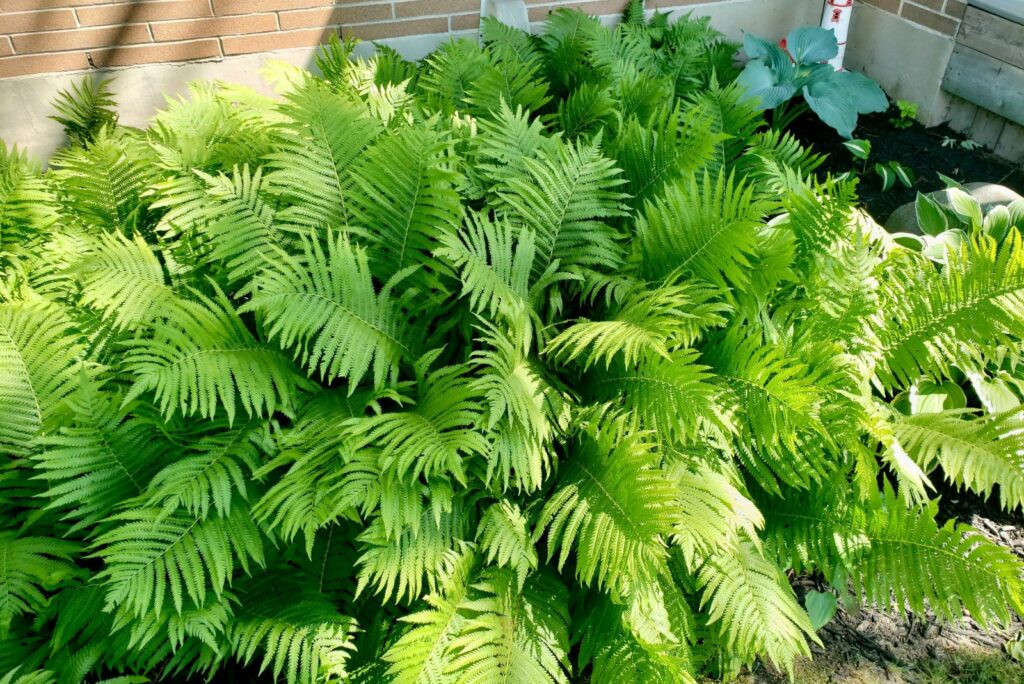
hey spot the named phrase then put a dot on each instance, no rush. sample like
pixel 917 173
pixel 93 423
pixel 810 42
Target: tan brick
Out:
pixel 890 6
pixel 54 41
pixel 394 29
pixel 26 5
pixel 465 22
pixel 207 48
pixel 6 49
pixel 955 8
pixel 930 4
pixel 23 65
pixel 327 16
pixel 278 40
pixel 225 7
pixel 26 22
pixel 920 15
pixel 149 11
pixel 217 26
pixel 426 8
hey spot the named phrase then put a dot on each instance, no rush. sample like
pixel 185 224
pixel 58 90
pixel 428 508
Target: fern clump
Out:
pixel 537 361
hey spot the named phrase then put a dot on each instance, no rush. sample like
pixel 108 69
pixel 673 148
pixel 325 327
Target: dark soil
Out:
pixel 917 148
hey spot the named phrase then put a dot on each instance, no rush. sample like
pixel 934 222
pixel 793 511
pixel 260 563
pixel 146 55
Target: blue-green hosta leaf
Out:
pixel 864 93
pixel 833 105
pixel 810 44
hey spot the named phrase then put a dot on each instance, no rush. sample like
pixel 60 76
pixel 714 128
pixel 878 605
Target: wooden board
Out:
pixel 987 82
pixel 993 36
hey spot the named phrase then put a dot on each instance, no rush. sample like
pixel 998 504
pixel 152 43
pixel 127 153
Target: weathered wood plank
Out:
pixel 987 82
pixel 993 36
pixel 1011 143
pixel 986 128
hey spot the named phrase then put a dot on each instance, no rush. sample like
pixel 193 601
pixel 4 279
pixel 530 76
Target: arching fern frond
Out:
pixel 203 358
pixel 406 200
pixel 647 323
pixel 514 634
pixel 30 567
pixel 566 197
pixel 505 541
pixel 703 225
pixel 102 459
pixel 913 561
pixel 298 631
pixel 150 557
pixel 977 452
pixel 435 436
pixel 757 611
pixel 324 305
pixel 325 133
pixel 123 279
pixel 611 507
pixel 40 365
pixel 932 321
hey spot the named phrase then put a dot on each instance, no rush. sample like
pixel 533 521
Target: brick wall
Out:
pixel 938 15
pixel 43 36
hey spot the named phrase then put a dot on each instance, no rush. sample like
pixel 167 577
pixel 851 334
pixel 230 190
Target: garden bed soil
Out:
pixel 868 646
pixel 917 148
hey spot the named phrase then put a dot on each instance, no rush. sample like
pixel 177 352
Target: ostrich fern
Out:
pixel 538 361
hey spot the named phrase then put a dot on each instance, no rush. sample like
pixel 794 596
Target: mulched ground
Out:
pixel 917 148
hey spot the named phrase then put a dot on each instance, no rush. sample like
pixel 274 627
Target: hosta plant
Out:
pixel 539 361
pixel 776 74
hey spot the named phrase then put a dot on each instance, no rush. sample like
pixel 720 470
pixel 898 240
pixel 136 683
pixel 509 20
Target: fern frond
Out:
pixel 977 453
pixel 324 134
pixel 913 561
pixel 515 634
pixel 202 358
pixel 935 320
pixel 505 540
pixel 406 200
pixel 755 606
pixel 123 279
pixel 40 365
pixel 216 466
pixel 84 109
pixel 647 323
pixel 423 652
pixel 31 566
pixel 103 459
pixel 324 306
pixel 566 198
pixel 301 635
pixel 712 513
pixel 670 146
pixel 702 225
pixel 611 507
pixel 102 183
pixel 674 396
pixel 150 557
pixel 435 436
pixel 399 567
pixel 27 204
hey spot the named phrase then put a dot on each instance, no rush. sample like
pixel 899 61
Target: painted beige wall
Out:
pixel 24 101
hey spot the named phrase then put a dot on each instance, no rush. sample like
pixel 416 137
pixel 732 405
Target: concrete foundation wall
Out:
pixel 141 90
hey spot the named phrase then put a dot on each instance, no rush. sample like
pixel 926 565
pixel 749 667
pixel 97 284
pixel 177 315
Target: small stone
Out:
pixel 989 195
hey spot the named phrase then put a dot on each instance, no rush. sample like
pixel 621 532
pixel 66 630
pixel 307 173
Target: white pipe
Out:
pixel 836 16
